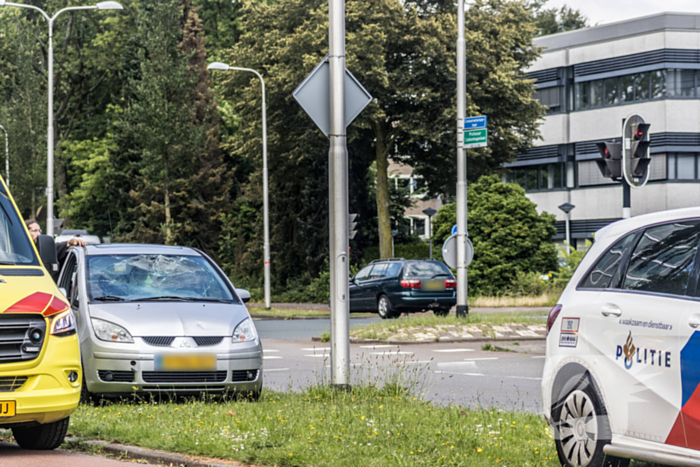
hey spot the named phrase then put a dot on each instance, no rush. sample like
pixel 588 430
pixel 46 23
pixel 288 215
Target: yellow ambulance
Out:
pixel 40 373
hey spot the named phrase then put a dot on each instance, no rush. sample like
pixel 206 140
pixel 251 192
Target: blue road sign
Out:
pixel 454 229
pixel 472 123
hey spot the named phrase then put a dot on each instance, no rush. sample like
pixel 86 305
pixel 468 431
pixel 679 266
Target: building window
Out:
pixel 551 98
pixel 539 177
pixel 589 174
pixel 418 226
pixel 657 84
pixel 682 166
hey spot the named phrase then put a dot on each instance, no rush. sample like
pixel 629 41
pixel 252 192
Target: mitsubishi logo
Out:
pixel 185 343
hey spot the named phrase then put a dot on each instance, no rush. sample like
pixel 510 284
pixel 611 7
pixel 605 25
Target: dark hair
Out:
pixel 29 222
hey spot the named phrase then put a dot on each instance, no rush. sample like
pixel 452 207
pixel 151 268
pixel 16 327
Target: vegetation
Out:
pixel 378 426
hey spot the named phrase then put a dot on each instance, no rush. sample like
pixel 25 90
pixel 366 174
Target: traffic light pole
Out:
pixel 626 199
pixel 462 304
pixel 339 201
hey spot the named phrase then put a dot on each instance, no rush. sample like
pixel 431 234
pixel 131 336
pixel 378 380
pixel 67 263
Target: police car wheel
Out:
pixel 582 429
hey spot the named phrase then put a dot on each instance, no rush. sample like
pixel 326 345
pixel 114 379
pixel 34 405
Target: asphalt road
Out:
pixel 300 329
pixel 13 456
pixel 449 374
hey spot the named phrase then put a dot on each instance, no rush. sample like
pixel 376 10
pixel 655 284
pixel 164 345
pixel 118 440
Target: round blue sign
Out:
pixel 454 229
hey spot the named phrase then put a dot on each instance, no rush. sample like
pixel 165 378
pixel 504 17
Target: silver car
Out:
pixel 155 318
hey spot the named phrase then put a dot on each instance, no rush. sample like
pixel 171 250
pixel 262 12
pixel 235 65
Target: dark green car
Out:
pixel 394 286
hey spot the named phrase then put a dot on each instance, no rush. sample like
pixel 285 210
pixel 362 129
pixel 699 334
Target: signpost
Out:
pixel 474 133
pixel 449 252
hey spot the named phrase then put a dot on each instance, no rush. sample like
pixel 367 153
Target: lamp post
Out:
pixel 430 212
pixel 567 208
pixel 393 234
pixel 49 158
pixel 7 158
pixel 266 215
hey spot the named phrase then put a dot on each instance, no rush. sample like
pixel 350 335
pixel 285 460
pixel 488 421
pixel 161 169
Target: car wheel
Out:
pixel 44 437
pixel 582 428
pixel 386 311
pixel 441 311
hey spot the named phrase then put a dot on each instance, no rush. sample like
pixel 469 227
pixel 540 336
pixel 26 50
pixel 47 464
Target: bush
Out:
pixel 509 236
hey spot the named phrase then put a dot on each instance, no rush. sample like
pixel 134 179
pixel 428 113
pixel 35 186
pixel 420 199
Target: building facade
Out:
pixel 418 223
pixel 590 80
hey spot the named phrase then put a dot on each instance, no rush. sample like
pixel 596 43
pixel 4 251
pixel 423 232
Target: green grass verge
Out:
pixel 322 427
pixel 287 312
pixel 387 329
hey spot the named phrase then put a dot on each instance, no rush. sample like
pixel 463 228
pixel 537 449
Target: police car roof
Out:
pixel 634 223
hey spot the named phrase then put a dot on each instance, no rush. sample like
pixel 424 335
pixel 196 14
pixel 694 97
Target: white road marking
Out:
pixel 269 350
pixel 317 355
pixel 456 364
pixel 480 359
pixel 275 369
pixel 483 374
pixel 270 357
pixel 453 373
pixel 391 352
pixel 540 356
pixel 453 350
pixel 316 349
pixel 415 363
pixel 377 346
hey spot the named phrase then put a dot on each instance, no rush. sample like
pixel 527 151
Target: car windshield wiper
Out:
pixel 438 275
pixel 162 297
pixel 205 299
pixel 109 298
pixel 7 263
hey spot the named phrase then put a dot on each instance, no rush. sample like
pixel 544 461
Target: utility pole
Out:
pixel 462 305
pixel 338 200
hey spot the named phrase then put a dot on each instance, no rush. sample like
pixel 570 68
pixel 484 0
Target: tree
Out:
pixel 555 20
pixel 508 234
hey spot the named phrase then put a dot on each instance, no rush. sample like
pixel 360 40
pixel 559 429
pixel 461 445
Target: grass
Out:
pixel 323 427
pixel 546 299
pixel 408 327
pixel 287 312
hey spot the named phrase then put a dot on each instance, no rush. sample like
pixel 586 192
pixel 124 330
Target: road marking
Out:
pixel 275 369
pixel 270 357
pixel 269 350
pixel 453 373
pixel 316 349
pixel 483 374
pixel 453 350
pixel 415 363
pixel 390 352
pixel 377 346
pixel 540 356
pixel 480 359
pixel 317 355
pixel 456 364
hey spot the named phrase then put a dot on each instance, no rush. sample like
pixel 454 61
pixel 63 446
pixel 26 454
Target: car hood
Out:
pixel 172 318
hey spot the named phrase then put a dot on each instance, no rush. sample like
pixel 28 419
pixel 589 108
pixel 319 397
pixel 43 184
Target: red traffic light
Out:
pixel 640 133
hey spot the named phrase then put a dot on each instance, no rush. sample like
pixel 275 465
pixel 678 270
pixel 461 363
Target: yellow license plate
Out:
pixel 8 409
pixel 434 285
pixel 185 362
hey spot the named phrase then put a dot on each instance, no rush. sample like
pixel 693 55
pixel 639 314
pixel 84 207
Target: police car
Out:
pixel 622 373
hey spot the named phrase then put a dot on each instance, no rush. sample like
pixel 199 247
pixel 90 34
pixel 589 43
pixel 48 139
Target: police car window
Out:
pixel 664 258
pixel 362 275
pixel 378 271
pixel 606 271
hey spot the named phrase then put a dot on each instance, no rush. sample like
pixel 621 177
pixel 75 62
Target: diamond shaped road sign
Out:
pixel 313 94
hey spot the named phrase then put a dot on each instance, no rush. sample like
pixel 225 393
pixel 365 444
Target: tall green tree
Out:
pixel 554 20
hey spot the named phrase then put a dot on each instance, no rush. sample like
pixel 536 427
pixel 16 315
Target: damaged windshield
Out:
pixel 115 278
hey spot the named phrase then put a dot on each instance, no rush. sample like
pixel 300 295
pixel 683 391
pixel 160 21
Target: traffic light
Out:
pixel 639 150
pixel 351 226
pixel 611 163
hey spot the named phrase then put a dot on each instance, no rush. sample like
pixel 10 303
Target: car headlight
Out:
pixel 245 331
pixel 63 324
pixel 110 332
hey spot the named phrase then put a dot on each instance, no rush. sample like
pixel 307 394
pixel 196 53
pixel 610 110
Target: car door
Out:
pixel 373 286
pixel 358 294
pixel 633 331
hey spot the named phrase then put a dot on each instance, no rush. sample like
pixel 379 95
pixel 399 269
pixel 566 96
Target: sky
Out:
pixel 608 11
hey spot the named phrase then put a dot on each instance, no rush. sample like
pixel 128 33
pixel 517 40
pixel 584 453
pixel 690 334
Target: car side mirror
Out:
pixel 47 253
pixel 63 291
pixel 244 295
pixel 352 279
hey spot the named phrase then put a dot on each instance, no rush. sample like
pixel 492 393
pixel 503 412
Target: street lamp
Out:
pixel 7 158
pixel 430 212
pixel 49 159
pixel 393 234
pixel 266 216
pixel 567 208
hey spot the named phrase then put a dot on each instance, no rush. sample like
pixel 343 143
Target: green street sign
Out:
pixel 476 138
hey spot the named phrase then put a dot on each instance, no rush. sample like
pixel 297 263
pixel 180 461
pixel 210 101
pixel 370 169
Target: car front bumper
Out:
pixel 132 369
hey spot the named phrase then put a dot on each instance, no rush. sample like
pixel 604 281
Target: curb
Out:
pixel 289 318
pixel 445 340
pixel 150 455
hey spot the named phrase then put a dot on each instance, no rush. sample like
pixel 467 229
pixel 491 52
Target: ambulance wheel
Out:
pixel 42 437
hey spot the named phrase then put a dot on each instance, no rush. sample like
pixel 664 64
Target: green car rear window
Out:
pixel 425 269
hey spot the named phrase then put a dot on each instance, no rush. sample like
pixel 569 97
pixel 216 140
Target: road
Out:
pixel 11 455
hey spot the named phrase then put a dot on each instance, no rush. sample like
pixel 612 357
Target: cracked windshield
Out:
pixel 154 277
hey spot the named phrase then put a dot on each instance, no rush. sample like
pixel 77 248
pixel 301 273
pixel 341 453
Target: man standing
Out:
pixel 61 247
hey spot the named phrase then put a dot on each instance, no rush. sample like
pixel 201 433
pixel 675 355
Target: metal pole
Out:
pixel 7 158
pixel 626 199
pixel 266 203
pixel 338 200
pixel 462 304
pixel 568 234
pixel 49 159
pixel 430 236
